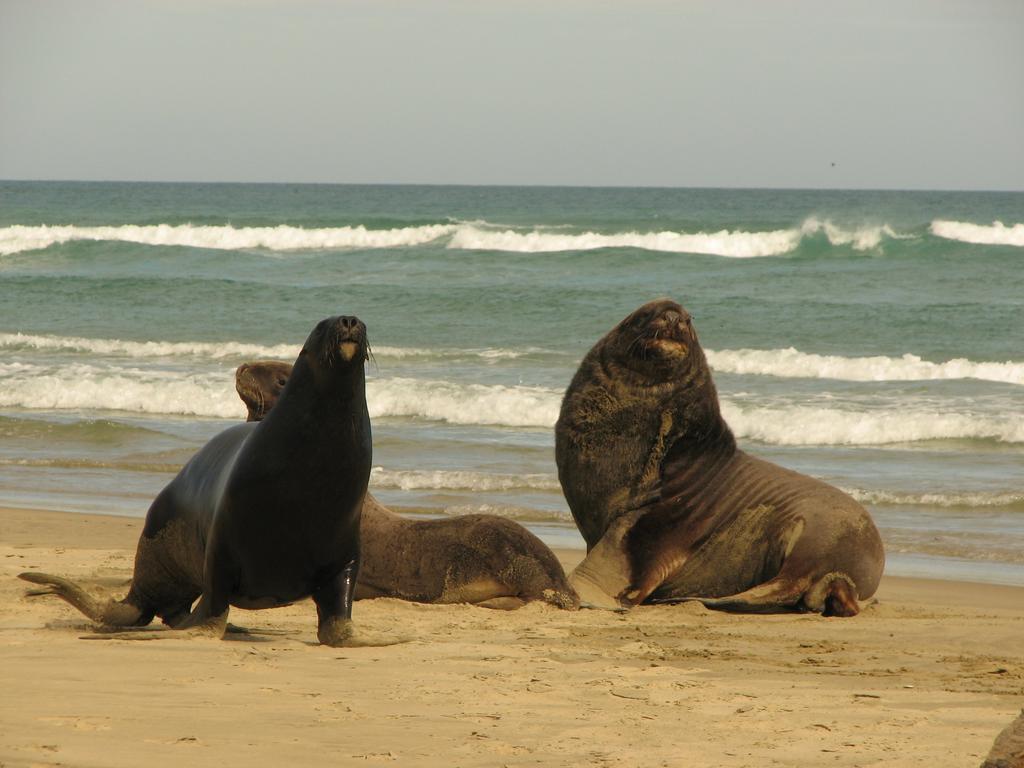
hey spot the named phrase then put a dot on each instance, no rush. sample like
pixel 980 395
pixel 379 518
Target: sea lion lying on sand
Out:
pixel 266 513
pixel 671 509
pixel 481 559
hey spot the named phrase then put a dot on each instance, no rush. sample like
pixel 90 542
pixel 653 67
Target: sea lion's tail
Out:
pixel 112 613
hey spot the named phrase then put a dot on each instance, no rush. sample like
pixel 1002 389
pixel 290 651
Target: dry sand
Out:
pixel 926 676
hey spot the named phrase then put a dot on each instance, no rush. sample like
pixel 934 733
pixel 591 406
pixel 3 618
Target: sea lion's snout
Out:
pixel 675 322
pixel 667 333
pixel 350 337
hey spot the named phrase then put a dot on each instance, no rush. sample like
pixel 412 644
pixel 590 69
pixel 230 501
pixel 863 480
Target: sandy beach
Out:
pixel 927 675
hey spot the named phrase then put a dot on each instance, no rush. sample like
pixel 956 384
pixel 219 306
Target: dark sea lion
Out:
pixel 1008 749
pixel 481 559
pixel 259 384
pixel 672 509
pixel 266 513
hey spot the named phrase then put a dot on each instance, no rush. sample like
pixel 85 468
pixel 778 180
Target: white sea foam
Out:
pixel 148 349
pixel 736 244
pixel 864 238
pixel 791 363
pixel 809 425
pixel 231 349
pixel 89 387
pixel 522 514
pixel 464 403
pixel 971 500
pixel 980 234
pixel 454 480
pixel 729 243
pixel 211 394
pixel 463 235
pixel 15 239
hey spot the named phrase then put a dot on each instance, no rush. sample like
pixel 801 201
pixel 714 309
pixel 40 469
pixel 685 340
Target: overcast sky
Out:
pixel 895 94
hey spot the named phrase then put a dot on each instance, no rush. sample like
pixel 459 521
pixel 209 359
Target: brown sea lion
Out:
pixel 266 513
pixel 259 384
pixel 672 509
pixel 1008 749
pixel 481 559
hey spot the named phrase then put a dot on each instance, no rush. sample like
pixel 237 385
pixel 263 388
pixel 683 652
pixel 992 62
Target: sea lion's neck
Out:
pixel 309 401
pixel 700 430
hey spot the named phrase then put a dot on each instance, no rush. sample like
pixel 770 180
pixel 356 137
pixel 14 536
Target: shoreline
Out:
pixel 55 528
pixel 927 675
pixel 909 566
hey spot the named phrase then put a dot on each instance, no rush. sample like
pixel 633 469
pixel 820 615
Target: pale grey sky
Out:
pixel 905 94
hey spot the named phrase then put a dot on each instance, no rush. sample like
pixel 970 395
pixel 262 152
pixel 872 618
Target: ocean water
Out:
pixel 872 339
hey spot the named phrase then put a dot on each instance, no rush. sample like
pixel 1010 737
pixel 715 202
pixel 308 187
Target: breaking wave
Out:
pixel 148 349
pixel 996 233
pixel 730 243
pixel 791 363
pixel 15 239
pixel 723 243
pixel 966 500
pixel 486 405
pixel 462 235
pixel 809 425
pixel 454 480
pixel 211 394
pixel 90 387
pixel 233 349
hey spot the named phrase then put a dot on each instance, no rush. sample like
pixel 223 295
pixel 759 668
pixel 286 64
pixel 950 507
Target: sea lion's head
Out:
pixel 656 342
pixel 259 384
pixel 336 348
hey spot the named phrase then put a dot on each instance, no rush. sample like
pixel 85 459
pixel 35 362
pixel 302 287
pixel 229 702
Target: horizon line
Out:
pixel 510 186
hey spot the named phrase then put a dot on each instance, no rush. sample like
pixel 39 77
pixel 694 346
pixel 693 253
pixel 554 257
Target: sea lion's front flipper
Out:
pixel 605 575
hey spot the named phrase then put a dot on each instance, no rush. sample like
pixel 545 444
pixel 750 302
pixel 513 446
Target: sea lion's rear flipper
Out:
pixel 775 596
pixel 112 613
pixel 831 595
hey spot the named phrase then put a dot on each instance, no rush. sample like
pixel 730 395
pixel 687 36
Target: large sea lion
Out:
pixel 672 509
pixel 481 559
pixel 265 513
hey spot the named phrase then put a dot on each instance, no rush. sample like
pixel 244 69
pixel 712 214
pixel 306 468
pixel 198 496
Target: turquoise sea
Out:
pixel 873 339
